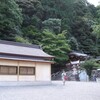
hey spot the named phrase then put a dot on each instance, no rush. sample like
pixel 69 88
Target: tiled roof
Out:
pixel 24 58
pixel 15 48
pixel 78 54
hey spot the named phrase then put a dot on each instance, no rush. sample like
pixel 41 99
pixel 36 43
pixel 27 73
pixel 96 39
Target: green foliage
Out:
pixel 81 28
pixel 10 19
pixel 32 11
pixel 22 40
pixel 55 45
pixel 89 66
pixel 96 32
pixel 52 24
pixel 74 43
pixel 30 33
pixel 62 9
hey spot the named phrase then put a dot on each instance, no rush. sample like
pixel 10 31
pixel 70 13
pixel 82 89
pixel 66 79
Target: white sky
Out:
pixel 94 2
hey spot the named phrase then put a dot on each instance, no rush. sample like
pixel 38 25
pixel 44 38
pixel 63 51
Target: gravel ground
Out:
pixel 55 91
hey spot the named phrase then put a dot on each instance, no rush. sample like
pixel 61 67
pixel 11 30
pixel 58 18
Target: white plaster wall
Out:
pixel 16 63
pixel 26 78
pixel 27 63
pixel 8 62
pixel 43 71
pixel 8 77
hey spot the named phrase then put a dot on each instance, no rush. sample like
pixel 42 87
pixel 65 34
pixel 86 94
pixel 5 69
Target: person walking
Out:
pixel 64 77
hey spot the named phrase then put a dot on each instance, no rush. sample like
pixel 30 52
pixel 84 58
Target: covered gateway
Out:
pixel 23 62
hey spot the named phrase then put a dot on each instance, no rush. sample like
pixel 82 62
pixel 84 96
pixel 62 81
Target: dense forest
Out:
pixel 58 26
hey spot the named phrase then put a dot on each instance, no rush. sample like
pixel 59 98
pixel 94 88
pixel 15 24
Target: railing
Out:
pixel 55 75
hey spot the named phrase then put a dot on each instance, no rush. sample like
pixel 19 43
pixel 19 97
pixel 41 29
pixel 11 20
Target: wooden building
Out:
pixel 75 56
pixel 22 62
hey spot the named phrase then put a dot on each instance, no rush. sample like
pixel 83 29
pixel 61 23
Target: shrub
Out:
pixel 89 65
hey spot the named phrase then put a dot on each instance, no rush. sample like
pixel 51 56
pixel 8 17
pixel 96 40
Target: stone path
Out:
pixel 55 91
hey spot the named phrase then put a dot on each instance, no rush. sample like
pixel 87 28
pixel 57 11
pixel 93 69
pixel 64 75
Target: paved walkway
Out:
pixel 56 91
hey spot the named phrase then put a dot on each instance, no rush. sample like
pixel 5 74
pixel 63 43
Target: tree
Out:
pixel 10 19
pixel 32 34
pixel 89 66
pixel 32 11
pixel 52 24
pixel 81 28
pixel 55 45
pixel 96 33
pixel 74 43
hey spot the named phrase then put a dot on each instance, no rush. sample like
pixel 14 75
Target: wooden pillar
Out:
pixel 18 72
pixel 35 71
pixel 50 72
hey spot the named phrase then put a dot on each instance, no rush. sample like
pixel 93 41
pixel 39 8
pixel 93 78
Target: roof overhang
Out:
pixel 21 49
pixel 78 54
pixel 75 62
pixel 31 60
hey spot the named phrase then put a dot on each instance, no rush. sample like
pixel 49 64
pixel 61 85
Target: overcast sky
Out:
pixel 94 2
